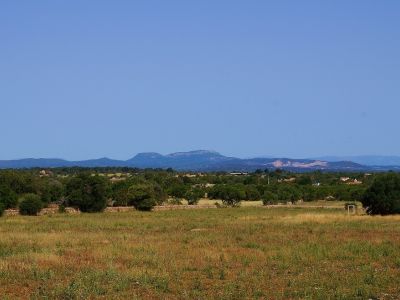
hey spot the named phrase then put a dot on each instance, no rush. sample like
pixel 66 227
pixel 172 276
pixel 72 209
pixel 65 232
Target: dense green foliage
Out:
pixel 383 196
pixel 8 198
pixel 142 196
pixel 231 195
pixel 30 205
pixel 269 198
pixel 92 190
pixel 52 191
pixel 2 208
pixel 88 193
pixel 193 195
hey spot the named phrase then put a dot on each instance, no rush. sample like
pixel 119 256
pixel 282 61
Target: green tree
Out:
pixel 8 198
pixel 269 198
pixel 177 190
pixel 52 191
pixel 30 205
pixel 142 196
pixel 2 209
pixel 120 193
pixel 383 196
pixel 252 193
pixel 193 195
pixel 304 180
pixel 232 196
pixel 87 192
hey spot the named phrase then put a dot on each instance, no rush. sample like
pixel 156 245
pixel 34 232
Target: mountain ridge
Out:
pixel 368 160
pixel 200 160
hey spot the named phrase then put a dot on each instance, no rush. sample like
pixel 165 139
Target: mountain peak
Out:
pixel 194 153
pixel 148 155
pixel 202 160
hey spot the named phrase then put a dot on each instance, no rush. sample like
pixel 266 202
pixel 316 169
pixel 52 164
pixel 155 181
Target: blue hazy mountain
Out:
pixel 204 160
pixel 368 160
pixel 192 160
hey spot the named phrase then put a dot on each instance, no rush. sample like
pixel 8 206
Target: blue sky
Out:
pixel 87 79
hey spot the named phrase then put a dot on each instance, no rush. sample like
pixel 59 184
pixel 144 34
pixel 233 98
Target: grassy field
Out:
pixel 239 253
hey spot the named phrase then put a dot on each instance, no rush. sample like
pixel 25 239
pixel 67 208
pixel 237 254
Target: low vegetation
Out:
pixel 92 190
pixel 30 205
pixel 245 253
pixel 383 196
pixel 86 192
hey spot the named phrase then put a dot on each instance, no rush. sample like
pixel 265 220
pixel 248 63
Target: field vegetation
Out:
pixel 230 253
pixel 92 190
pixel 259 250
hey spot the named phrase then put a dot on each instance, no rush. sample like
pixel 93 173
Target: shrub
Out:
pixel 61 209
pixel 383 196
pixel 8 197
pixel 30 205
pixel 252 193
pixel 142 196
pixel 175 201
pixel 269 198
pixel 2 209
pixel 119 193
pixel 192 200
pixel 146 204
pixel 52 191
pixel 88 193
pixel 232 196
pixel 193 196
pixel 177 190
pixel 218 205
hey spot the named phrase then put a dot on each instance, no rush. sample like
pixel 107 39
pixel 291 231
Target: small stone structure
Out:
pixel 118 208
pixel 54 209
pixel 171 207
pixel 51 210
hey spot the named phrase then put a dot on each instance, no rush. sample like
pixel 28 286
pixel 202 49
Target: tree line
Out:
pixel 92 190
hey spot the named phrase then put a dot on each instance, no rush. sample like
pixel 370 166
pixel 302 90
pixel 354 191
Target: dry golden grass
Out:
pixel 240 253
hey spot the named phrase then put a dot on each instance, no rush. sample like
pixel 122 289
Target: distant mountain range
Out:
pixel 368 160
pixel 204 160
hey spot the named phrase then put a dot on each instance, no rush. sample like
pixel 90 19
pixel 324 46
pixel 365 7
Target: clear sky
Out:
pixel 87 79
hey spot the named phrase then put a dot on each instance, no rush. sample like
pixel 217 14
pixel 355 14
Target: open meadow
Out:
pixel 230 253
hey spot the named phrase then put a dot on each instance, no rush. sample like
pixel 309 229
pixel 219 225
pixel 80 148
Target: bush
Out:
pixel 269 198
pixel 252 193
pixel 146 204
pixel 232 196
pixel 177 190
pixel 52 191
pixel 142 196
pixel 62 209
pixel 383 196
pixel 8 197
pixel 119 193
pixel 193 196
pixel 175 201
pixel 88 193
pixel 30 205
pixel 2 209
